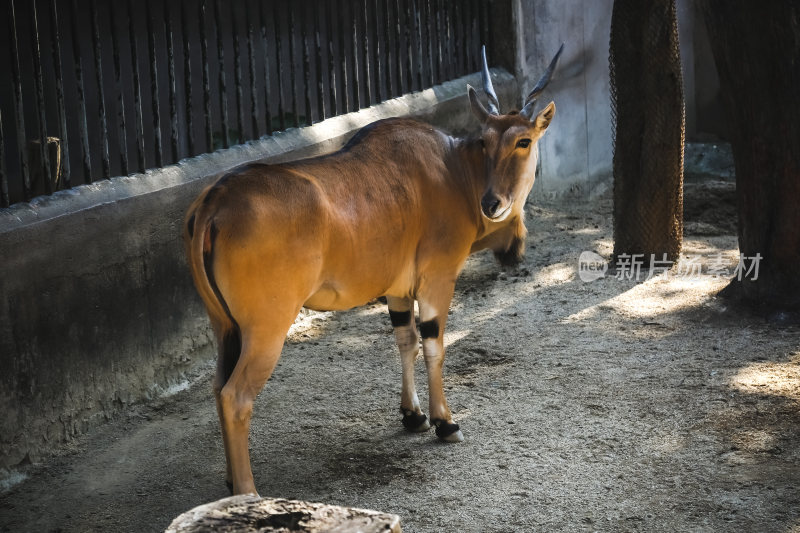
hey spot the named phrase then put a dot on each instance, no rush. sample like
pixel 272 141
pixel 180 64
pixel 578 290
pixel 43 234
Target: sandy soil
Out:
pixel 604 406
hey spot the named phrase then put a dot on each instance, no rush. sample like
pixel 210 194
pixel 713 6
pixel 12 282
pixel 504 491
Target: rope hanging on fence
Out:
pixel 648 113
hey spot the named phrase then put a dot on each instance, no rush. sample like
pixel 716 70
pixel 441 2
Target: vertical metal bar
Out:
pixel 315 14
pixel 173 100
pixel 365 56
pixel 303 7
pixel 473 36
pixel 206 79
pixel 5 200
pixel 123 140
pixel 440 40
pixel 101 100
pixel 418 44
pixel 481 20
pixel 343 55
pixel 251 56
pixel 292 69
pixel 187 77
pixel 356 78
pixel 409 31
pixel 19 110
pixel 451 72
pixel 223 96
pixel 154 83
pixel 265 47
pixel 84 131
pixel 44 152
pixel 237 74
pixel 389 52
pixel 137 89
pixel 429 42
pixel 458 32
pixel 66 179
pixel 331 58
pixel 380 51
pixel 486 36
pixel 468 43
pixel 455 33
pixel 463 10
pixel 398 24
pixel 278 65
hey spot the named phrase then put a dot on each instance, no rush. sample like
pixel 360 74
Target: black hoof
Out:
pixel 447 431
pixel 229 485
pixel 415 422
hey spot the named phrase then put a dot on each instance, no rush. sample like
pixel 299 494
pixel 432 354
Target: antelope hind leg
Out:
pixel 261 349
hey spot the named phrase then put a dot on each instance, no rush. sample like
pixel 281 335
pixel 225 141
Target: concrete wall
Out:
pixel 576 152
pixel 97 308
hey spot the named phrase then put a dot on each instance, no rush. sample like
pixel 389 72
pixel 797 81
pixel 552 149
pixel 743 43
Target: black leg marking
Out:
pixel 513 255
pixel 230 486
pixel 444 428
pixel 190 226
pixel 429 329
pixel 414 421
pixel 231 350
pixel 400 318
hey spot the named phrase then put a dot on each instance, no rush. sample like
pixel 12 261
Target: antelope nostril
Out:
pixel 490 204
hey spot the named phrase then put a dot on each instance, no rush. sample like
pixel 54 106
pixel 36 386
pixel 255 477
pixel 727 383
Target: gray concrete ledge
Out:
pixel 97 308
pixel 444 105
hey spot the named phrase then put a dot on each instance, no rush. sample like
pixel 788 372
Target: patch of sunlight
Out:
pixel 604 247
pixel 374 309
pixel 771 377
pixel 658 296
pixel 10 478
pixel 308 322
pixel 454 336
pixel 554 274
pixel 587 231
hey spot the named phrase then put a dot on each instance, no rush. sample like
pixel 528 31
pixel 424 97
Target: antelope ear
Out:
pixel 477 108
pixel 544 117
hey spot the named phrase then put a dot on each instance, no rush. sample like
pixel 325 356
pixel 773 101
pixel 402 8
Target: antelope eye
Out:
pixel 523 143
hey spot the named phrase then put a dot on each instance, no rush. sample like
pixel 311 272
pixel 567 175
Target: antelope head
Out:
pixel 510 144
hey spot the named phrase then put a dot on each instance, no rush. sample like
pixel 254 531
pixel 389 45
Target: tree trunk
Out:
pixel 756 47
pixel 647 100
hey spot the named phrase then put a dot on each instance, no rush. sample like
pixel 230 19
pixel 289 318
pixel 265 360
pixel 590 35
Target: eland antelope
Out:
pixel 394 213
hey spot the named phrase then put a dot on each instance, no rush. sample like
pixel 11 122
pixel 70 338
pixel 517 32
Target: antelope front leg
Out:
pixel 433 306
pixel 401 312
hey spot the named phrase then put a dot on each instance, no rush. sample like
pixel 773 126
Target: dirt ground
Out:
pixel 613 405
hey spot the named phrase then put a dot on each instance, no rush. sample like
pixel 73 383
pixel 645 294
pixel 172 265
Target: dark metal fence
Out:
pixel 100 89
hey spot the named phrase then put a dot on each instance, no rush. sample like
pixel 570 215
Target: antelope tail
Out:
pixel 199 236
